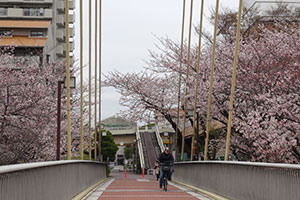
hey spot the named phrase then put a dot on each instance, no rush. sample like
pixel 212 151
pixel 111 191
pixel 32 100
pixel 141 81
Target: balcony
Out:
pixel 72 18
pixel 72 46
pixel 60 20
pixel 61 5
pixel 60 34
pixel 72 4
pixel 35 1
pixel 72 31
pixel 48 13
pixel 26 13
pixel 3 12
pixel 28 1
pixel 15 12
pixel 61 49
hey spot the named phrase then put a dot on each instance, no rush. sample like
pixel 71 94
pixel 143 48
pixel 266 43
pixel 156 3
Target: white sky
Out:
pixel 128 28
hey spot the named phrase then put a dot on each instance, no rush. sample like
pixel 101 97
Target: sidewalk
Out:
pixel 134 187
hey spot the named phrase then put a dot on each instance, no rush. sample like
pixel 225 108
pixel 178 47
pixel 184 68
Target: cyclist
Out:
pixel 165 159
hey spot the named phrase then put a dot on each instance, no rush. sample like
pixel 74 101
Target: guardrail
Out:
pixel 140 148
pixel 242 180
pixel 54 180
pixel 159 140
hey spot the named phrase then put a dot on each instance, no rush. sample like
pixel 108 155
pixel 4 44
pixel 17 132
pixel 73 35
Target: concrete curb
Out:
pixel 209 194
pixel 84 194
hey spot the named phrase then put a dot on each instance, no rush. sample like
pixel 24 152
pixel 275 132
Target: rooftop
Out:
pixel 117 123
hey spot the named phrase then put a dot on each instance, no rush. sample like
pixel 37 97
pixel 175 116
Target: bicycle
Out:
pixel 166 170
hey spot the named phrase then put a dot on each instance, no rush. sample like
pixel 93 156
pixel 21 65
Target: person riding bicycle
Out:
pixel 165 159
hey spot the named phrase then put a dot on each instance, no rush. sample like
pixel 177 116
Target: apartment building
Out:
pixel 263 7
pixel 37 28
pixel 268 12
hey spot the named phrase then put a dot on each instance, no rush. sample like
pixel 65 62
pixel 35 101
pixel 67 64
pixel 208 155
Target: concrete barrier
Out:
pixel 242 180
pixel 55 180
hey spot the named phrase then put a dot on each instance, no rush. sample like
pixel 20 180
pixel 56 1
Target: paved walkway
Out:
pixel 134 187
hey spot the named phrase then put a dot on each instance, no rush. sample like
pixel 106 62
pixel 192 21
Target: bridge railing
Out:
pixel 242 180
pixel 61 180
pixel 140 148
pixel 159 140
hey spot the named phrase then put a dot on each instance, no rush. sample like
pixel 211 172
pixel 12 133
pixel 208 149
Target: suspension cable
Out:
pixel 179 84
pixel 197 82
pixel 187 78
pixel 211 81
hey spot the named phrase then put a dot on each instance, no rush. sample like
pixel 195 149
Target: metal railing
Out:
pixel 159 140
pixel 55 180
pixel 242 180
pixel 140 148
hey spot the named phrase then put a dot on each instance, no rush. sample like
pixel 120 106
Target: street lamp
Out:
pixel 135 156
pixel 191 114
pixel 72 86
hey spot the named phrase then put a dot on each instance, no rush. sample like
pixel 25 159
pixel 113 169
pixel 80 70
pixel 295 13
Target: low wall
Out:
pixel 55 180
pixel 242 180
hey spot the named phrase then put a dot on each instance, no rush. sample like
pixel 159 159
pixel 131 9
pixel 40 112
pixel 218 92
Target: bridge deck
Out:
pixel 134 187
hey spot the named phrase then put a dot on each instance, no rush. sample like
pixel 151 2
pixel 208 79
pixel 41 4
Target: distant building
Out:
pixel 265 5
pixel 123 132
pixel 267 12
pixel 36 28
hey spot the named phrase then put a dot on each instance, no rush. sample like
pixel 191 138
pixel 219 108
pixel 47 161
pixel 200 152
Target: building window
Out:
pixel 5 33
pixel 3 11
pixel 33 12
pixel 37 34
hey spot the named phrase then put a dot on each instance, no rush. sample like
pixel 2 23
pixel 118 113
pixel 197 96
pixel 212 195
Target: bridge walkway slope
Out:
pixel 134 187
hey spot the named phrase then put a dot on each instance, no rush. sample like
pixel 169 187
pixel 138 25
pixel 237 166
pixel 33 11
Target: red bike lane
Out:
pixel 134 187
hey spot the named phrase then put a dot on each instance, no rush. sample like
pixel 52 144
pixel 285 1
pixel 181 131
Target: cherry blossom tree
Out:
pixel 266 120
pixel 28 109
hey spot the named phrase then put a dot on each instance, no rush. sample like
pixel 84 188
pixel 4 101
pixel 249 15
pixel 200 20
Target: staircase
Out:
pixel 151 149
pixel 157 147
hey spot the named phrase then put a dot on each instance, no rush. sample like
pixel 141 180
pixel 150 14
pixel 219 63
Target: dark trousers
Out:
pixel 157 176
pixel 161 172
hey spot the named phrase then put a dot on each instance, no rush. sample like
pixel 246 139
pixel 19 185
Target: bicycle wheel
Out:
pixel 165 184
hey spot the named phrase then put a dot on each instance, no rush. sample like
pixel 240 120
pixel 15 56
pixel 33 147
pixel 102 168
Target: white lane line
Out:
pixel 143 180
pixel 151 196
pixel 194 194
pixel 99 191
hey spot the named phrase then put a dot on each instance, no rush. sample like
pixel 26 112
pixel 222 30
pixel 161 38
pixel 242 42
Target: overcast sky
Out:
pixel 128 29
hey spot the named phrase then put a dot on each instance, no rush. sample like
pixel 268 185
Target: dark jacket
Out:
pixel 166 159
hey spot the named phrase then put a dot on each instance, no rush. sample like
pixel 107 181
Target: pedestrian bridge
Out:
pixel 65 180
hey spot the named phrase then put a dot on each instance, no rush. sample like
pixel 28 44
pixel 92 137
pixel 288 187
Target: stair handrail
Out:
pixel 159 140
pixel 140 148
